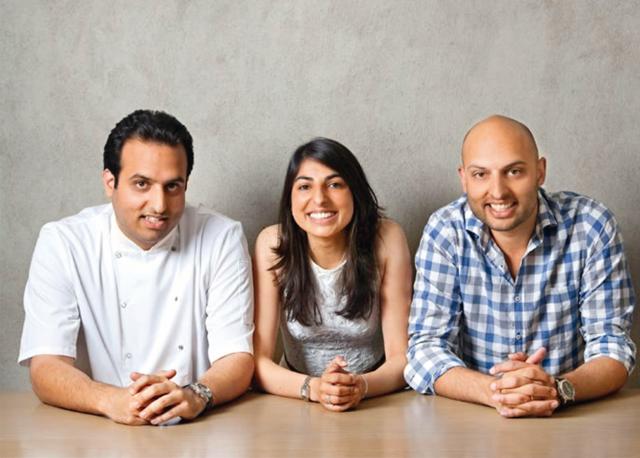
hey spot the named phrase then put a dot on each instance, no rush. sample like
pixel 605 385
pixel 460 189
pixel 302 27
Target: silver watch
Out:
pixel 204 392
pixel 305 389
pixel 566 391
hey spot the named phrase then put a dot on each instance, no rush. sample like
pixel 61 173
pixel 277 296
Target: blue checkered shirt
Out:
pixel 572 295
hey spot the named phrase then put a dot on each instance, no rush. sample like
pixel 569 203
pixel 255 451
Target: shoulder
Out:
pixel 390 233
pixel 267 241
pixel 392 241
pixel 446 226
pixel 579 213
pixel 207 224
pixel 451 215
pixel 88 224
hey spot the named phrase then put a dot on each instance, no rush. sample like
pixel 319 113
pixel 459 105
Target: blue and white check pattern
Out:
pixel 572 295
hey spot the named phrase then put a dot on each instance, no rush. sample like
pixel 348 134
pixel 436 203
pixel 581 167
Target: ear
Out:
pixel 463 178
pixel 109 182
pixel 542 170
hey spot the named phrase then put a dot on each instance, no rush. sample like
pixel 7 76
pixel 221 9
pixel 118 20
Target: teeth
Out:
pixel 500 207
pixel 153 219
pixel 320 215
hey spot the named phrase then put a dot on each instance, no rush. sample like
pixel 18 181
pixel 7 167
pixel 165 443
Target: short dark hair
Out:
pixel 146 125
pixel 293 270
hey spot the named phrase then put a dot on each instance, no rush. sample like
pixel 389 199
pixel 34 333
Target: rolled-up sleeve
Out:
pixel 52 319
pixel 230 298
pixel 435 311
pixel 607 299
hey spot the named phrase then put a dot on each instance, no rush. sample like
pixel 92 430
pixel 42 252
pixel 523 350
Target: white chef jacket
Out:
pixel 180 305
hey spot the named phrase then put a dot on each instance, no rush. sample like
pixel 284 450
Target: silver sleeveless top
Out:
pixel 309 349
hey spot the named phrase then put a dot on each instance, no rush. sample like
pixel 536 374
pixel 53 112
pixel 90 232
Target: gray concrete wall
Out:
pixel 398 82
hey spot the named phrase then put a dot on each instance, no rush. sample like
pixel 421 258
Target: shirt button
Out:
pixel 173 248
pixel 118 254
pixel 123 305
pixel 128 355
pixel 517 298
pixel 180 347
pixel 175 299
pixel 518 336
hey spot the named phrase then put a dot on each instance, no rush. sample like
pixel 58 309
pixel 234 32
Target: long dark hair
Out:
pixel 293 270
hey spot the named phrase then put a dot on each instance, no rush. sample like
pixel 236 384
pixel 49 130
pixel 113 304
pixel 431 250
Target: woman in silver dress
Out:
pixel 335 277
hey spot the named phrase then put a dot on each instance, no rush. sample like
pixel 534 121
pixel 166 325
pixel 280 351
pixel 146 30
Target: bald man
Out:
pixel 522 298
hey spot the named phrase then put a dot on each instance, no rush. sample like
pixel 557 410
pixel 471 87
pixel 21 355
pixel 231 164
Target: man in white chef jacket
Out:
pixel 161 290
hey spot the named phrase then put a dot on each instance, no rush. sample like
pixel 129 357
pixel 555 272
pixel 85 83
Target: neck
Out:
pixel 513 243
pixel 327 253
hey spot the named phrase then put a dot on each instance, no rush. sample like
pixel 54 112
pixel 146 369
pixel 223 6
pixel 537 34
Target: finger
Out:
pixel 160 405
pixel 519 356
pixel 338 400
pixel 335 408
pixel 143 380
pixel 537 374
pixel 174 412
pixel 535 390
pixel 530 409
pixel 507 366
pixel 511 399
pixel 509 382
pixel 151 392
pixel 338 390
pixel 337 364
pixel 338 378
pixel 538 356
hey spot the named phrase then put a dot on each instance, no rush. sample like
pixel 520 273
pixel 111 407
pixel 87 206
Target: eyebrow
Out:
pixel 139 176
pixel 511 164
pixel 327 178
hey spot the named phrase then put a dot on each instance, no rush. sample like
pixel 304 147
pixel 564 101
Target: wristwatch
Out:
pixel 305 389
pixel 566 391
pixel 204 392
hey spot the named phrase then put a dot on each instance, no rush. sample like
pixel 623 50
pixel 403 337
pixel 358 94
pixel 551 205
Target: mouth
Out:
pixel 154 221
pixel 321 216
pixel 501 210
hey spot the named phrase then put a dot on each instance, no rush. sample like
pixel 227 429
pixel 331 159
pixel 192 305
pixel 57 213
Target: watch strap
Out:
pixel 305 389
pixel 203 392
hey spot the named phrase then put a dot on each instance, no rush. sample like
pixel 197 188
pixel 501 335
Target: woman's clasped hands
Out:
pixel 339 389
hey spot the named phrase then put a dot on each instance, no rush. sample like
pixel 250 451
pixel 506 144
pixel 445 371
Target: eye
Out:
pixel 173 187
pixel 515 172
pixel 140 184
pixel 336 185
pixel 303 187
pixel 479 174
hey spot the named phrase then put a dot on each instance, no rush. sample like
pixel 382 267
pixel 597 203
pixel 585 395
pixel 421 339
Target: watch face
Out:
pixel 566 390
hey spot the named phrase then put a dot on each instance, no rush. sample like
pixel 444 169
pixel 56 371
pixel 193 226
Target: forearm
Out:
pixel 465 385
pixel 387 378
pixel 275 379
pixel 597 378
pixel 57 382
pixel 229 376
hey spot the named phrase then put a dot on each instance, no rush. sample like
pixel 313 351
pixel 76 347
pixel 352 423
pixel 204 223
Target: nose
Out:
pixel 497 188
pixel 157 200
pixel 319 196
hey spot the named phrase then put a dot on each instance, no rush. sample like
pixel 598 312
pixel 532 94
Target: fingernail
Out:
pixel 492 370
pixel 554 404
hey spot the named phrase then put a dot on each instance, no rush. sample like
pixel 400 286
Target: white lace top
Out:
pixel 309 349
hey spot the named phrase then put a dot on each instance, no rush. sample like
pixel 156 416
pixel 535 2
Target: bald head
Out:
pixel 496 131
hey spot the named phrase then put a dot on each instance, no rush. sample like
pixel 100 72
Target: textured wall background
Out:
pixel 398 82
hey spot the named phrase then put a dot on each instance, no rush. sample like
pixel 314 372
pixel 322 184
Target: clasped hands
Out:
pixel 524 389
pixel 338 389
pixel 154 399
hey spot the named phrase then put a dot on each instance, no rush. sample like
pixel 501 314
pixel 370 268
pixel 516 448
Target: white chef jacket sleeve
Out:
pixel 230 297
pixel 52 319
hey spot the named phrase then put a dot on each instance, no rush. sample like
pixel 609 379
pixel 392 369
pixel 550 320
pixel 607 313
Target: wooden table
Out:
pixel 260 425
